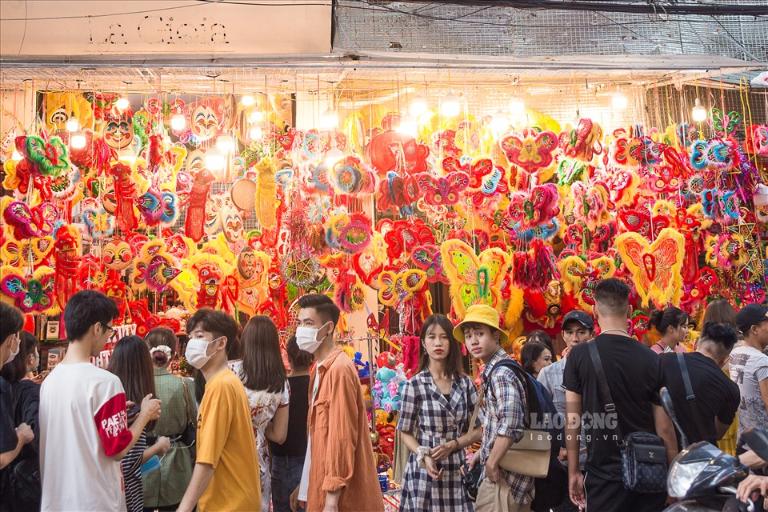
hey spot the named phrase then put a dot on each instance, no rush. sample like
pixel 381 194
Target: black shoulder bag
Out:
pixel 689 394
pixel 643 455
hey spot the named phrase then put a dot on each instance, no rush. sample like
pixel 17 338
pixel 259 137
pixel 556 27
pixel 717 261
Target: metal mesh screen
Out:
pixel 437 27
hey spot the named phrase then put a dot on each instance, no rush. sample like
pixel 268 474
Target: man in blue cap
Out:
pixel 578 327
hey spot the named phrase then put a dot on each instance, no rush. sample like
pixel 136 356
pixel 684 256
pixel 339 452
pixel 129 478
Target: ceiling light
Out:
pixel 499 124
pixel 247 100
pixel 178 122
pixel 418 107
pixel 122 104
pixel 72 124
pixel 699 113
pixel 516 107
pixel 77 141
pixel 619 101
pixel 329 120
pixel 450 107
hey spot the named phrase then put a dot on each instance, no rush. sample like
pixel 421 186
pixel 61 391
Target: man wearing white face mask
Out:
pixel 339 469
pixel 226 474
pixel 12 440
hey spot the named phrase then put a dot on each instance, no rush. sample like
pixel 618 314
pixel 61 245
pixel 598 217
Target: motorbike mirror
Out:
pixel 666 403
pixel 757 440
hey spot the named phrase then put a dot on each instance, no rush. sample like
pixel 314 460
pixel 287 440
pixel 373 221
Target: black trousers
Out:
pixel 611 496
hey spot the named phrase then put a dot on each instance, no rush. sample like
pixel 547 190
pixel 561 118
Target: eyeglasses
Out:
pixel 109 328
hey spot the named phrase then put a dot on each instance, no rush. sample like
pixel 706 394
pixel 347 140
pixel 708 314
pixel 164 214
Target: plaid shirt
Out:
pixel 435 419
pixel 502 415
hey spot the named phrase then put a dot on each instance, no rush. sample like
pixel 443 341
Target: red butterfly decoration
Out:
pixel 405 234
pixel 532 151
pixel 640 221
pixel 442 191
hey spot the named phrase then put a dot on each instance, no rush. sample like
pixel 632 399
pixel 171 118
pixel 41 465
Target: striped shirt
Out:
pixel 131 467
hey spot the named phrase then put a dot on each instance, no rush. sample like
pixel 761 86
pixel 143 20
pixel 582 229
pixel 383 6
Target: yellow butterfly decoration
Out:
pixel 474 279
pixel 16 253
pixel 655 267
pixel 397 287
pixel 580 276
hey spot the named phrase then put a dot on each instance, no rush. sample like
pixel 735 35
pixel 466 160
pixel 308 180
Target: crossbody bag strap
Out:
pixel 609 406
pixel 689 394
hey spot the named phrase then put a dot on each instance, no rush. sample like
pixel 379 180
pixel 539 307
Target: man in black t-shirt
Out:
pixel 708 415
pixel 634 379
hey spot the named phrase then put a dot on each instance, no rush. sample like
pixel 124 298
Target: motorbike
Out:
pixel 703 477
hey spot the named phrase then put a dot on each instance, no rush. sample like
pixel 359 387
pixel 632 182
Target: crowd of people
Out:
pixel 247 435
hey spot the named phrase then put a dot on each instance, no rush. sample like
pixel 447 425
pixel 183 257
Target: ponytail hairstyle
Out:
pixel 671 316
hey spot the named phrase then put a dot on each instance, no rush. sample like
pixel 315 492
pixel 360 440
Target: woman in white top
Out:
pixel 266 385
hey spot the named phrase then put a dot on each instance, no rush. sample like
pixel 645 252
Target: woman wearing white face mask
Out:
pixel 12 440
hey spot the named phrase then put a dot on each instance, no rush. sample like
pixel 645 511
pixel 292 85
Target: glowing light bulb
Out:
pixel 619 101
pixel 122 103
pixel 499 124
pixel 256 133
pixel 408 127
pixel 517 107
pixel 699 113
pixel 256 116
pixel 16 156
pixel 215 162
pixel 248 100
pixel 225 144
pixel 329 120
pixel 418 107
pixel 450 107
pixel 178 122
pixel 77 141
pixel 72 124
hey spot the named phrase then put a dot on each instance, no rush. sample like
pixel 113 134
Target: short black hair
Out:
pixel 719 333
pixel 11 321
pixel 298 358
pixel 666 318
pixel 219 324
pixel 613 295
pixel 17 368
pixel 87 308
pixel 323 305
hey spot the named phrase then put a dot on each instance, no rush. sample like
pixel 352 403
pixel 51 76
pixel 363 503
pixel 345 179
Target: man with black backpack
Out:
pixel 513 407
pixel 612 387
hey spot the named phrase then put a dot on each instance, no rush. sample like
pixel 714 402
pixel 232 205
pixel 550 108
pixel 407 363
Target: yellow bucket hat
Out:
pixel 480 314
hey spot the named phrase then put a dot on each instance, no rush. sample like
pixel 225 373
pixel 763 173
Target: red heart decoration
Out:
pixel 366 277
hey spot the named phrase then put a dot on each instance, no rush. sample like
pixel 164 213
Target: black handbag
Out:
pixel 643 454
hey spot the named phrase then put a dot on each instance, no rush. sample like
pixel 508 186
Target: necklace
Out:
pixel 620 331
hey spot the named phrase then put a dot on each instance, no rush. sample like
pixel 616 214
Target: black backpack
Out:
pixel 551 490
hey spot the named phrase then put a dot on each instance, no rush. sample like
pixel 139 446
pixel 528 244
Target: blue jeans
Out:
pixel 286 476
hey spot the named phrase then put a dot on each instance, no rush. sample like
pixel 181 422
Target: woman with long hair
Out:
pixel 436 408
pixel 164 489
pixel 132 364
pixel 263 376
pixel 23 474
pixel 535 356
pixel 672 324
